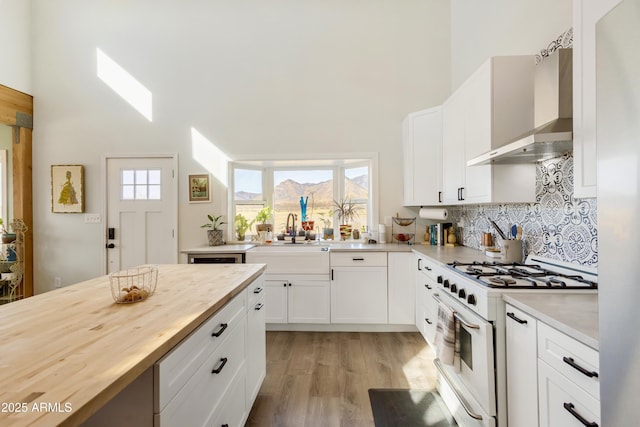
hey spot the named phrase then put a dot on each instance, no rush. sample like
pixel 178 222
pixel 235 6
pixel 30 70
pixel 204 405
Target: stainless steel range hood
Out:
pixel 553 135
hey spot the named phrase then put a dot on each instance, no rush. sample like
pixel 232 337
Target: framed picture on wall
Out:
pixel 199 188
pixel 67 188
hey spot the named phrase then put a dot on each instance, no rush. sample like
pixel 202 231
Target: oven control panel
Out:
pixel 463 291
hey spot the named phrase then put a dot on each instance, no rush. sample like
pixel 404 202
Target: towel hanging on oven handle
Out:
pixel 457 315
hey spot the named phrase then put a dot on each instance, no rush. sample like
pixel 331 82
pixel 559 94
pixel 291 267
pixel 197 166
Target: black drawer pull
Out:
pixel 569 361
pixel 223 362
pixel 427 286
pixel 259 306
pixel 223 326
pixel 224 425
pixel 419 264
pixel 428 268
pixel 257 290
pixel 570 408
pixel 428 321
pixel 358 259
pixel 514 317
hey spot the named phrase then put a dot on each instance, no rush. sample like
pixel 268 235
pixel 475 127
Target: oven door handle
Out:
pixel 455 390
pixel 457 315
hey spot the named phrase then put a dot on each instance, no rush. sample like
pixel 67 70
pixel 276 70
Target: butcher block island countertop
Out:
pixel 68 352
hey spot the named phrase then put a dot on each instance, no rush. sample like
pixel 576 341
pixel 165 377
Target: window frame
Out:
pixel 339 163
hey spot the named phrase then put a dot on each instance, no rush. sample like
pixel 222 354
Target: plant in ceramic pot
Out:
pixel 308 223
pixel 327 230
pixel 242 225
pixel 6 236
pixel 262 217
pixel 214 233
pixel 347 211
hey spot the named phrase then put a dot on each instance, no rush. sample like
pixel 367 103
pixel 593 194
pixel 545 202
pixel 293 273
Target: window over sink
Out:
pixel 280 184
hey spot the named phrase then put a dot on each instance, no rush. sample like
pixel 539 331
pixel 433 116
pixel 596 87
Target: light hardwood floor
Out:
pixel 323 378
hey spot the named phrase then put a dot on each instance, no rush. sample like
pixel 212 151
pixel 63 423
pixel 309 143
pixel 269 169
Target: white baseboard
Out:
pixel 314 327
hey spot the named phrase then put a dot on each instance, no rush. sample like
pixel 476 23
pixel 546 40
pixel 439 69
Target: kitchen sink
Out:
pixel 287 258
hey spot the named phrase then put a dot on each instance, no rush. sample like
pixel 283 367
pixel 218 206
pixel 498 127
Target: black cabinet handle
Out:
pixel 111 246
pixel 357 259
pixel 224 425
pixel 223 326
pixel 570 408
pixel 426 285
pixel 428 321
pixel 569 361
pixel 217 370
pixel 259 306
pixel 285 284
pixel 461 189
pixel 257 290
pixel 332 274
pixel 419 264
pixel 428 268
pixel 439 196
pixel 514 317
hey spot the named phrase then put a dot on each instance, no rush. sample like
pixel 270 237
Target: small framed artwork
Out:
pixel 67 188
pixel 199 188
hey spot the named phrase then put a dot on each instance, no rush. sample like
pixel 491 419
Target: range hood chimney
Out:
pixel 553 133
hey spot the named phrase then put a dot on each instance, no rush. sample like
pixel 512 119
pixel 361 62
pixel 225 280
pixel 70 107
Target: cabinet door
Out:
pixel 256 349
pixel 359 295
pixel 585 16
pixel 562 402
pixel 422 145
pixel 453 135
pixel 522 373
pixel 309 301
pixel 477 129
pixel 401 288
pixel 276 301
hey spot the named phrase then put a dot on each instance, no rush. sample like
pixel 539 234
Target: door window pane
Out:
pixel 140 184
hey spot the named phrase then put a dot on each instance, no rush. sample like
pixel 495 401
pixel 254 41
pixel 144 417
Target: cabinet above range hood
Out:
pixel 553 134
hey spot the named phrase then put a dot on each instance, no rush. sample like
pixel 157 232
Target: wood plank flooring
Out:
pixel 322 378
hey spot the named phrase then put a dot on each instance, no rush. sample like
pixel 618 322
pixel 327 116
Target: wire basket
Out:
pixel 133 285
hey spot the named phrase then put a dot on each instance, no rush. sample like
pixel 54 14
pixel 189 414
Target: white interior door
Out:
pixel 142 211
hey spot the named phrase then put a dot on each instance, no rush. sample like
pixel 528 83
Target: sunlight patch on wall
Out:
pixel 209 156
pixel 124 84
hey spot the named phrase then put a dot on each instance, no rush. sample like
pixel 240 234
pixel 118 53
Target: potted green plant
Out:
pixel 214 233
pixel 242 225
pixel 6 236
pixel 327 231
pixel 262 217
pixel 347 211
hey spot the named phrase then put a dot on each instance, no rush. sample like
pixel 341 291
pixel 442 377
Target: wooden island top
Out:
pixel 68 352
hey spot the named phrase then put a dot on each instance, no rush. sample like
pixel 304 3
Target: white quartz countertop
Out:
pixel 447 254
pixel 575 315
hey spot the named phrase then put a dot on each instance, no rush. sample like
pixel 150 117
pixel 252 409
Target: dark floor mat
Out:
pixel 409 408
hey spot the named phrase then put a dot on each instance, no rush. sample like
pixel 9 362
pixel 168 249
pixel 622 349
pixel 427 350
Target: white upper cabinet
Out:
pixel 493 107
pixel 422 157
pixel 586 14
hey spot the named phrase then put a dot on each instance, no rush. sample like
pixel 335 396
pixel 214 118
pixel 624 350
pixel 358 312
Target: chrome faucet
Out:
pixel 293 226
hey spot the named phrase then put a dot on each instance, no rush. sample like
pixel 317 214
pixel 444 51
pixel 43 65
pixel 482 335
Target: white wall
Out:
pixel 252 77
pixel 481 29
pixel 15 45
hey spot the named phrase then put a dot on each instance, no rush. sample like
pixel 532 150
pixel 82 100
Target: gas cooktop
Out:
pixel 523 276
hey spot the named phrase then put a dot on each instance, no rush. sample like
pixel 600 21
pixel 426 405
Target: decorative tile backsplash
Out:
pixel 556 226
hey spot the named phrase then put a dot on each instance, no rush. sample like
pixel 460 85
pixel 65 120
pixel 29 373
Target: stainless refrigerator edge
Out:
pixel 618 148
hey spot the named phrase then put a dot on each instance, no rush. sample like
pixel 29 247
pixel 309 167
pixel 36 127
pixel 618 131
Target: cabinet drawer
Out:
pixel 175 368
pixel 571 358
pixel 562 402
pixel 428 268
pixel 358 259
pixel 195 402
pixel 255 290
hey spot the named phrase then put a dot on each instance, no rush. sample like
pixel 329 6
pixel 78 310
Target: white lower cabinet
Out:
pixel 359 287
pixel 401 288
pixel 552 378
pixel 297 299
pixel 256 342
pixel 522 379
pixel 426 275
pixel 212 376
